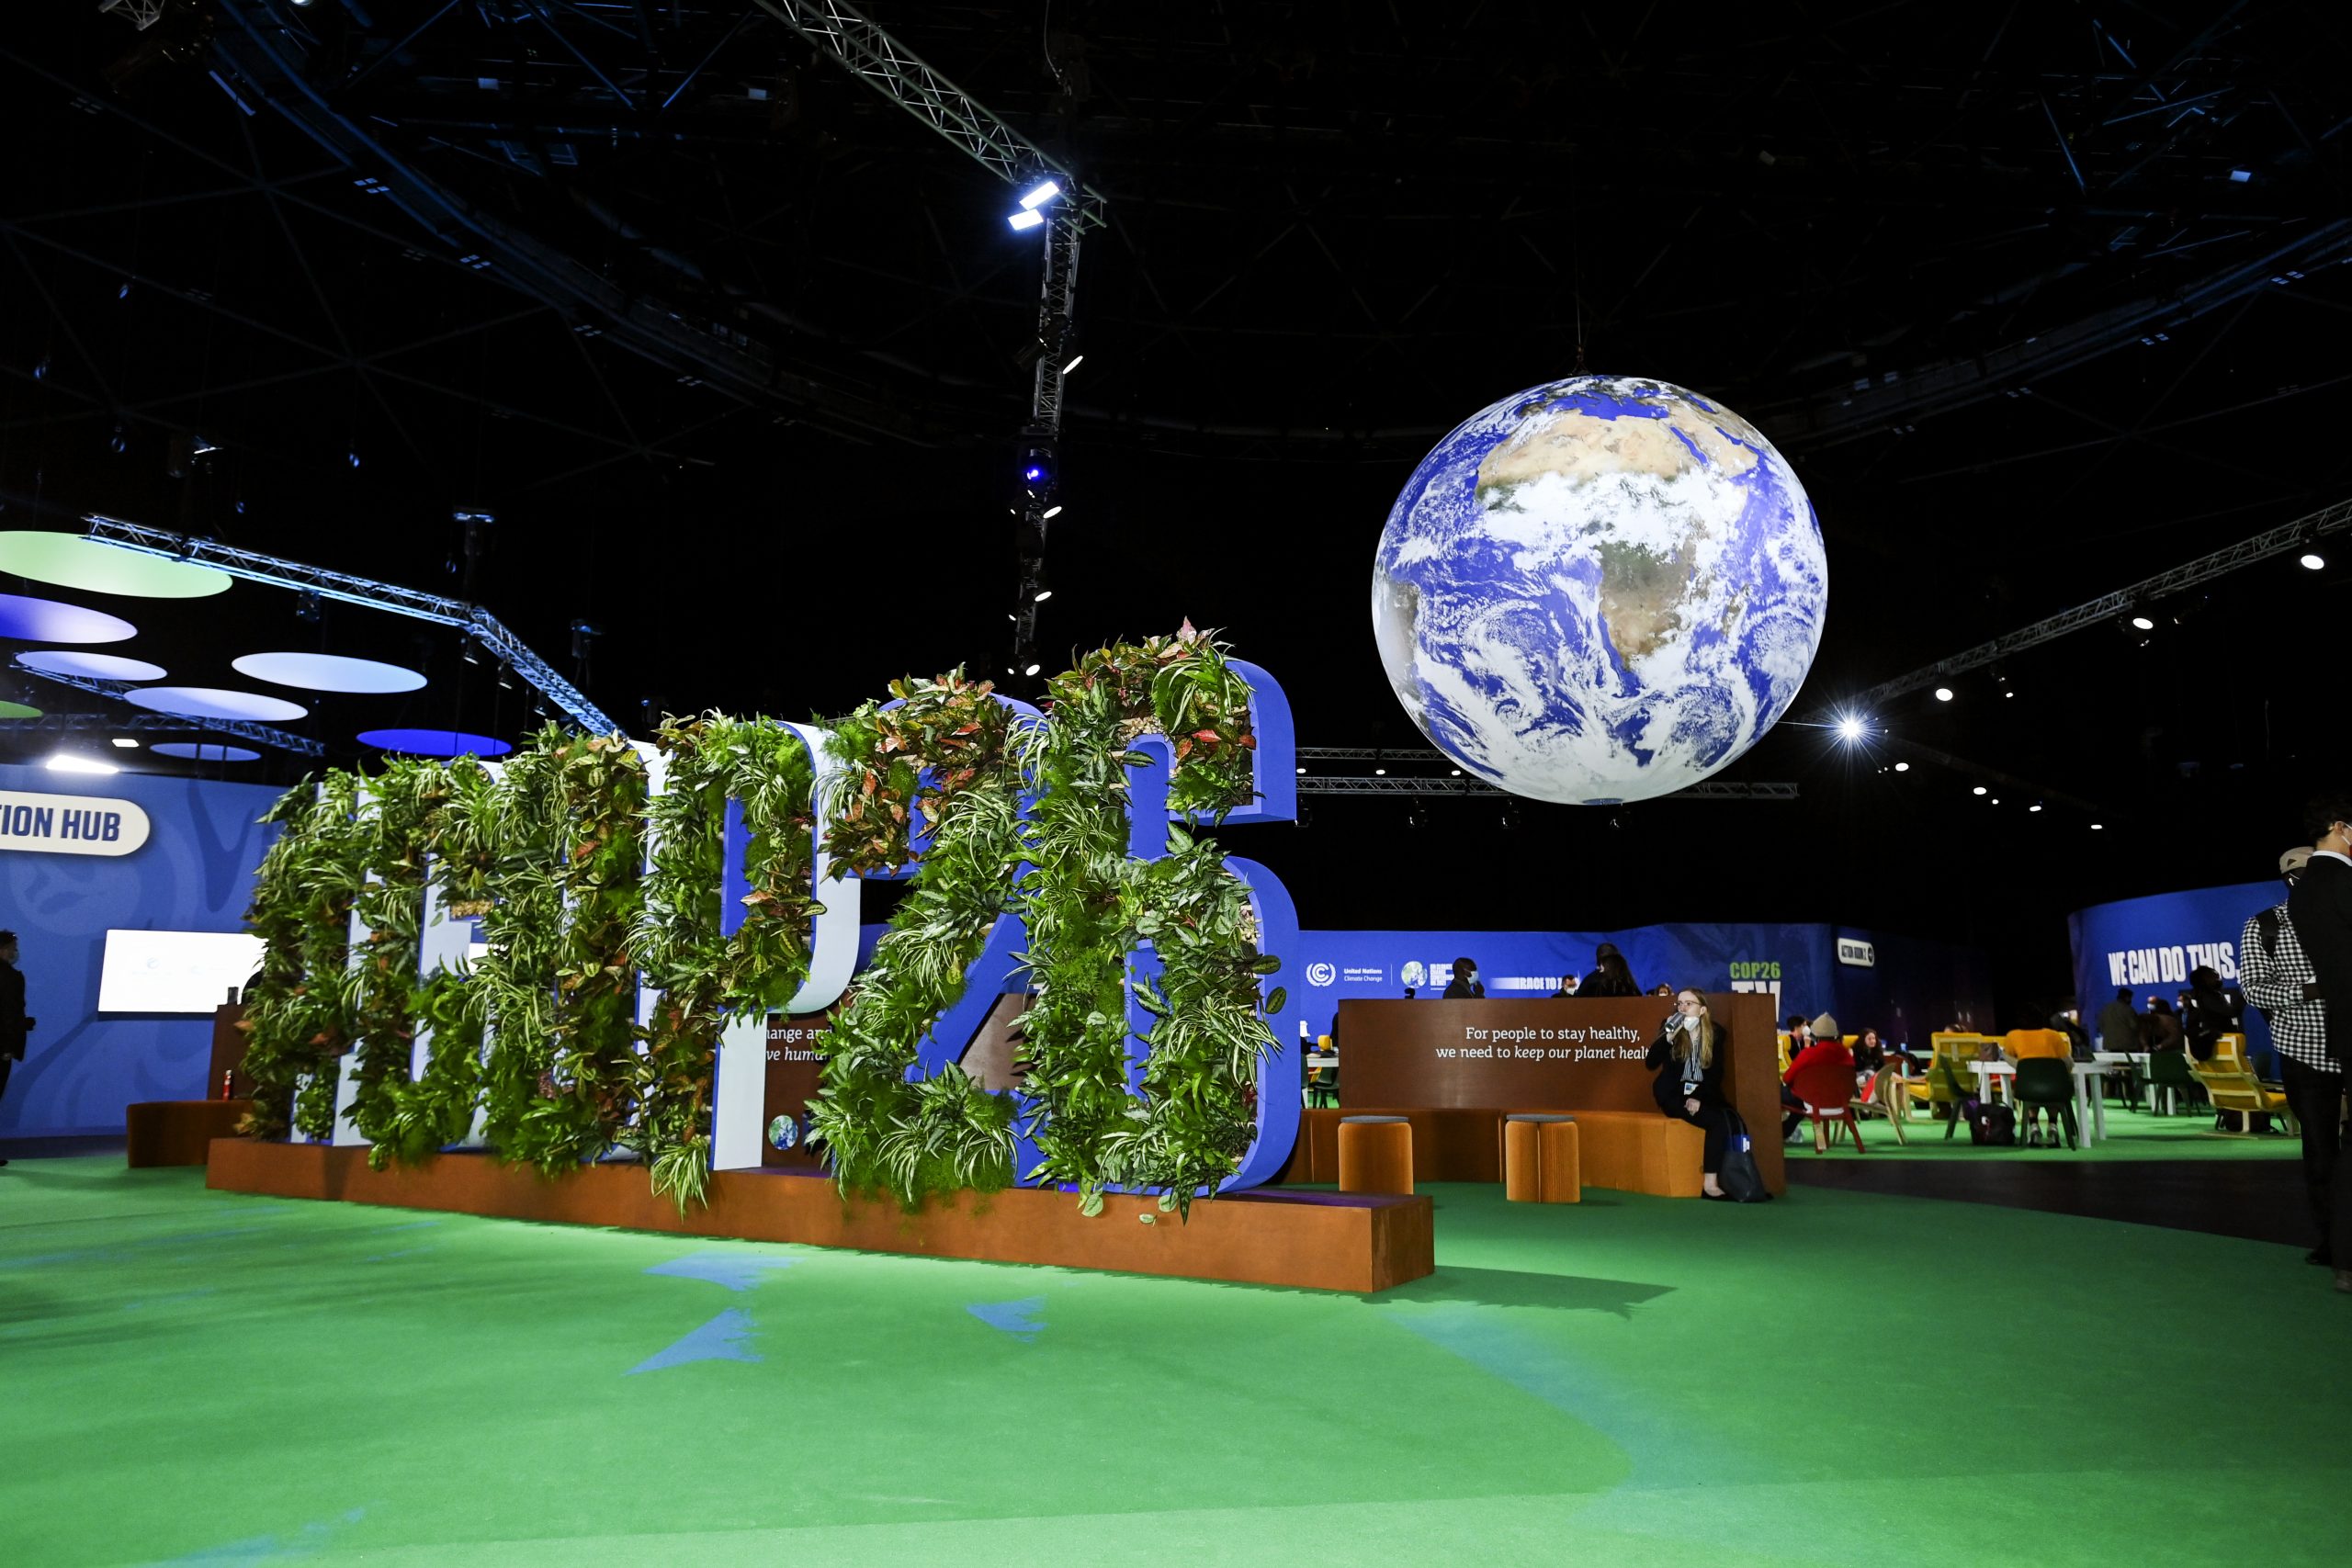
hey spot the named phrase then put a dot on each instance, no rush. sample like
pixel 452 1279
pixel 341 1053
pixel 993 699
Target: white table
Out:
pixel 2090 1106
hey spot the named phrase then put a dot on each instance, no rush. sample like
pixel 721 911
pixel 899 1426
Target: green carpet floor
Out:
pixel 2131 1134
pixel 1838 1378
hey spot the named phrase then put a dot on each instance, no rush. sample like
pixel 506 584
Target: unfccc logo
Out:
pixel 1321 974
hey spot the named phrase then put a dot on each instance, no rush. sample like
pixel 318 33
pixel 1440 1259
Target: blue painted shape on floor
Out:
pixel 724 1338
pixel 403 1252
pixel 736 1271
pixel 1016 1318
pixel 308 1541
pixel 1662 1444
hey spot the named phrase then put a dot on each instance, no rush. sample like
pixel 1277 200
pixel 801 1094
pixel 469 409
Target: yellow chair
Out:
pixel 1951 1077
pixel 2231 1084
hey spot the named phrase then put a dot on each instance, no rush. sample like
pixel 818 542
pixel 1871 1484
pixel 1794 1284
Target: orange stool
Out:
pixel 1541 1163
pixel 1376 1155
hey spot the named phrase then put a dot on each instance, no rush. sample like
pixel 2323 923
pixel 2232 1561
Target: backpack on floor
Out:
pixel 1739 1178
pixel 1992 1124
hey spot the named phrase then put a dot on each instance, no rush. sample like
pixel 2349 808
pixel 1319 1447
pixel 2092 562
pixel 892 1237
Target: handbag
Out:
pixel 1739 1178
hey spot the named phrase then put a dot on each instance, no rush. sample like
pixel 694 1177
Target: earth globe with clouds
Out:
pixel 1600 590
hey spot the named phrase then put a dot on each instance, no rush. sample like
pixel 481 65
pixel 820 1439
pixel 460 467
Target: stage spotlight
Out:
pixel 1302 768
pixel 125 741
pixel 1511 815
pixel 1995 801
pixel 1038 195
pixel 67 763
pixel 2035 807
pixel 1037 465
pixel 1033 586
pixel 2097 827
pixel 472 654
pixel 307 607
pixel 1902 767
pixel 1943 693
pixel 1849 729
pixel 1072 363
pixel 1050 512
pixel 1030 667
pixel 2313 561
pixel 2142 624
pixel 1418 817
pixel 1380 773
pixel 1978 790
pixel 1025 219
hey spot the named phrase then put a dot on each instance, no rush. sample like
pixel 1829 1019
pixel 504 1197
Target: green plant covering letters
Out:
pixel 705 978
pixel 552 855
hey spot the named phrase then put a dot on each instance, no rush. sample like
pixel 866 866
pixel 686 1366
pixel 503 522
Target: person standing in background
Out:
pixel 1464 984
pixel 2321 908
pixel 2276 978
pixel 2118 1025
pixel 14 1026
pixel 1611 976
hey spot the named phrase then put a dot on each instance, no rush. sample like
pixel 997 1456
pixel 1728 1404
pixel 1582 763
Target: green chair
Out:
pixel 2168 1074
pixel 1323 1088
pixel 1955 1093
pixel 2048 1083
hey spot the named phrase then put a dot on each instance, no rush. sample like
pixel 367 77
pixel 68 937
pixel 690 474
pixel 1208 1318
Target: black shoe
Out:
pixel 2320 1256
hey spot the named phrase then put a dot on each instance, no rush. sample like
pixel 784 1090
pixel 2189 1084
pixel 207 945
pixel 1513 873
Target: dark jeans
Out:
pixel 1795 1109
pixel 2317 1101
pixel 1715 1123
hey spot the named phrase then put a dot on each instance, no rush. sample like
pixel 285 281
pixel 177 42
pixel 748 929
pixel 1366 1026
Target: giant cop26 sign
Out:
pixel 1050 853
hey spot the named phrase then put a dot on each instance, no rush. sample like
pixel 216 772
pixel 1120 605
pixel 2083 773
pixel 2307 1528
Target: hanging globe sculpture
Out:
pixel 1602 590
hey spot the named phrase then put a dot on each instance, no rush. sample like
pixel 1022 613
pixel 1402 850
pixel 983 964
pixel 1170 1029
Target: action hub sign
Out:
pixel 70 824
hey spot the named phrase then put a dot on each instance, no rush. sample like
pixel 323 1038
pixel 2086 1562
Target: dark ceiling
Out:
pixel 2038 297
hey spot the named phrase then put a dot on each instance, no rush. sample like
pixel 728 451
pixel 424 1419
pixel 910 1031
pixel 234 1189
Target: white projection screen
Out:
pixel 174 971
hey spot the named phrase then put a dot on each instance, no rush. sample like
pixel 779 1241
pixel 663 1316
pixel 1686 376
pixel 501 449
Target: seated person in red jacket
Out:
pixel 1825 1047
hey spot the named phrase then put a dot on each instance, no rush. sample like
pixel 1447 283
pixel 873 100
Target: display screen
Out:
pixel 174 971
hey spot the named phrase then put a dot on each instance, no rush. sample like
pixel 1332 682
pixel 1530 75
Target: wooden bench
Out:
pixel 178 1131
pixel 1632 1151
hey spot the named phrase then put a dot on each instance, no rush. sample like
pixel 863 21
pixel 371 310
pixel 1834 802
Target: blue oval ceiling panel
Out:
pixel 89 666
pixel 435 742
pixel 204 751
pixel 46 620
pixel 328 673
pixel 215 702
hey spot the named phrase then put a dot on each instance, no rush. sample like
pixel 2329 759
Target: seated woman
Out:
pixel 1687 1055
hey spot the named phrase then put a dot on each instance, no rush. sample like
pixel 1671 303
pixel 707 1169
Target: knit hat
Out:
pixel 2294 860
pixel 1825 1028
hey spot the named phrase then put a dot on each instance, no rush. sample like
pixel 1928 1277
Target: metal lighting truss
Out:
pixel 244 729
pixel 483 627
pixel 1376 784
pixel 2110 607
pixel 859 46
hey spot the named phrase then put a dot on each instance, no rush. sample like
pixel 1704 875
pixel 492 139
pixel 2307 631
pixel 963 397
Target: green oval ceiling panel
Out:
pixel 72 560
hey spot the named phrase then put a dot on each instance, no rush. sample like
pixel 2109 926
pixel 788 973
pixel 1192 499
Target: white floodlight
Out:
pixel 1978 790
pixel 67 763
pixel 125 741
pixel 1024 219
pixel 1036 195
pixel 2142 624
pixel 2313 561
pixel 1849 729
pixel 2035 807
pixel 1902 767
pixel 1075 361
pixel 1050 512
pixel 1030 667
pixel 1943 693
